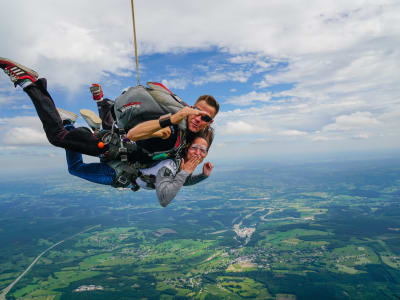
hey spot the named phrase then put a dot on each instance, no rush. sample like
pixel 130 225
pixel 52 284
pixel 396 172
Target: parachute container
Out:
pixel 140 103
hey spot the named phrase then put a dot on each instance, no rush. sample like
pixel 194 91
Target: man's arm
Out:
pixel 145 130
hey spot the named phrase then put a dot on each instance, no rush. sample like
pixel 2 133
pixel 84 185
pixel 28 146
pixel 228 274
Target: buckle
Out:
pixel 122 180
pixel 123 153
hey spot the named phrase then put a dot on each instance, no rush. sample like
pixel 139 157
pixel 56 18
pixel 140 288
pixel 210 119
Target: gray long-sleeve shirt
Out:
pixel 168 185
pixel 169 180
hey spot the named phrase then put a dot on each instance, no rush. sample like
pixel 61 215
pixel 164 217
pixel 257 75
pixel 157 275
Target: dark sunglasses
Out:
pixel 204 118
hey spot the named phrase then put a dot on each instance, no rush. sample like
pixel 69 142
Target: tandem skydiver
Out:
pixel 82 140
pixel 146 125
pixel 166 177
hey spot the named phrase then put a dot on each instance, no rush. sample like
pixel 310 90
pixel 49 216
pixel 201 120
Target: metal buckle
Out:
pixel 122 180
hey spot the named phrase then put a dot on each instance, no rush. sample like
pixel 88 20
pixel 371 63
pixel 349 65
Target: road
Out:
pixel 9 287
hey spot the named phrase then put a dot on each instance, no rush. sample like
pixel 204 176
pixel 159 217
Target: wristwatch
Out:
pixel 165 120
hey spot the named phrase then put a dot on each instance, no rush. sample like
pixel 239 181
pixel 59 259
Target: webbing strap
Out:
pixel 134 39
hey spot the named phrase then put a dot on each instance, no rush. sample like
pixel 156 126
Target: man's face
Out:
pixel 197 148
pixel 195 123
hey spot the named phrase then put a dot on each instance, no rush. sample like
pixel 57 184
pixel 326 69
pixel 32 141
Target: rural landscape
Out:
pixel 302 231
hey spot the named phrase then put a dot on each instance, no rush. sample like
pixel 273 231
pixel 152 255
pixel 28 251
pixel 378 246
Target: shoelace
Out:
pixel 11 74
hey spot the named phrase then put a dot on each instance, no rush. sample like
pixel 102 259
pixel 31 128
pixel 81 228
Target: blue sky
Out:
pixel 293 78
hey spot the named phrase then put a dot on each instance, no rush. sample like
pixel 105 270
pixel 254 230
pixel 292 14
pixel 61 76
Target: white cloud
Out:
pixel 339 59
pixel 215 76
pixel 292 133
pixel 21 121
pixel 26 131
pixel 249 98
pixel 358 120
pixel 25 136
pixel 177 83
pixel 239 128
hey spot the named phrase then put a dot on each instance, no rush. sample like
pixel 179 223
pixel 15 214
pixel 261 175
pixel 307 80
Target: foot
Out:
pixel 67 116
pixel 18 74
pixel 97 92
pixel 91 118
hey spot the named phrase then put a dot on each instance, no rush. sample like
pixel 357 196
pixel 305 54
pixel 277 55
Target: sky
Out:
pixel 294 78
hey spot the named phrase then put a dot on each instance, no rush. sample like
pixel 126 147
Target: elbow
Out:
pixel 73 169
pixel 162 199
pixel 164 204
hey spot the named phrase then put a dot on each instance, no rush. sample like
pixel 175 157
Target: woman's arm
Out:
pixel 194 179
pixel 168 185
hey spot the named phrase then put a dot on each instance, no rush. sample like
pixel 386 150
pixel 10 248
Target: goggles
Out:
pixel 205 118
pixel 202 149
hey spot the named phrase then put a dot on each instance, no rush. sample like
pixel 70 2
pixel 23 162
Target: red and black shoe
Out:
pixel 17 73
pixel 97 92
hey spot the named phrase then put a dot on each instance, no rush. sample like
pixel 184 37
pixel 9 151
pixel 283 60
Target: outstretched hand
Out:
pixel 207 168
pixel 191 164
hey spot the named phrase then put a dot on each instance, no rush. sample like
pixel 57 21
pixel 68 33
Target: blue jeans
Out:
pixel 94 172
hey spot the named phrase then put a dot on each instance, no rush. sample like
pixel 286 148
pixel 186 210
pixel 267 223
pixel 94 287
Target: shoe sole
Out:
pixel 22 67
pixel 91 118
pixel 72 116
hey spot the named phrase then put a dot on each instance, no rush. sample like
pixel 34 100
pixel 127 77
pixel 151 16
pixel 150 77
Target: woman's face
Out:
pixel 197 148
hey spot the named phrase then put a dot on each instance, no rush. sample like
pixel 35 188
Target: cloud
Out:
pixel 249 98
pixel 24 136
pixel 333 67
pixel 22 131
pixel 178 83
pixel 240 128
pixel 221 76
pixel 358 120
pixel 292 133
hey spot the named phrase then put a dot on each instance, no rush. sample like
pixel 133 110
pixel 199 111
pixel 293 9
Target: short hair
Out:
pixel 210 100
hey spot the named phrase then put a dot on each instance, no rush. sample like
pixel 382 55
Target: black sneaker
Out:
pixel 17 73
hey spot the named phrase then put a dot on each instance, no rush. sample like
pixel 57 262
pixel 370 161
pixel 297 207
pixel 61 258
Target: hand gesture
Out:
pixel 191 164
pixel 163 133
pixel 184 112
pixel 207 168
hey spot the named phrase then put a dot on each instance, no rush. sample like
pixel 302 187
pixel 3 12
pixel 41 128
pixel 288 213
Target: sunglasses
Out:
pixel 195 147
pixel 205 118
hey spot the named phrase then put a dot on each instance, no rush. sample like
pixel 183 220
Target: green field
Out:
pixel 321 236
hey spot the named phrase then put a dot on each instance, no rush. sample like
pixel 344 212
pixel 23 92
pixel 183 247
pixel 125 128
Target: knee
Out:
pixel 56 139
pixel 75 168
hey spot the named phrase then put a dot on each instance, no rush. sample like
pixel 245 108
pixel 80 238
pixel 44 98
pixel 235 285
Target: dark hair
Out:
pixel 206 134
pixel 210 100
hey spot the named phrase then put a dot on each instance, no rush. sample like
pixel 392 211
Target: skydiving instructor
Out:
pixel 82 139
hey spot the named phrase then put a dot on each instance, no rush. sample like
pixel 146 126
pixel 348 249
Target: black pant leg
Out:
pixel 79 139
pixel 105 114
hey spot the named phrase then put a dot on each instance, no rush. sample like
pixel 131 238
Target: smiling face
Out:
pixel 197 148
pixel 195 123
